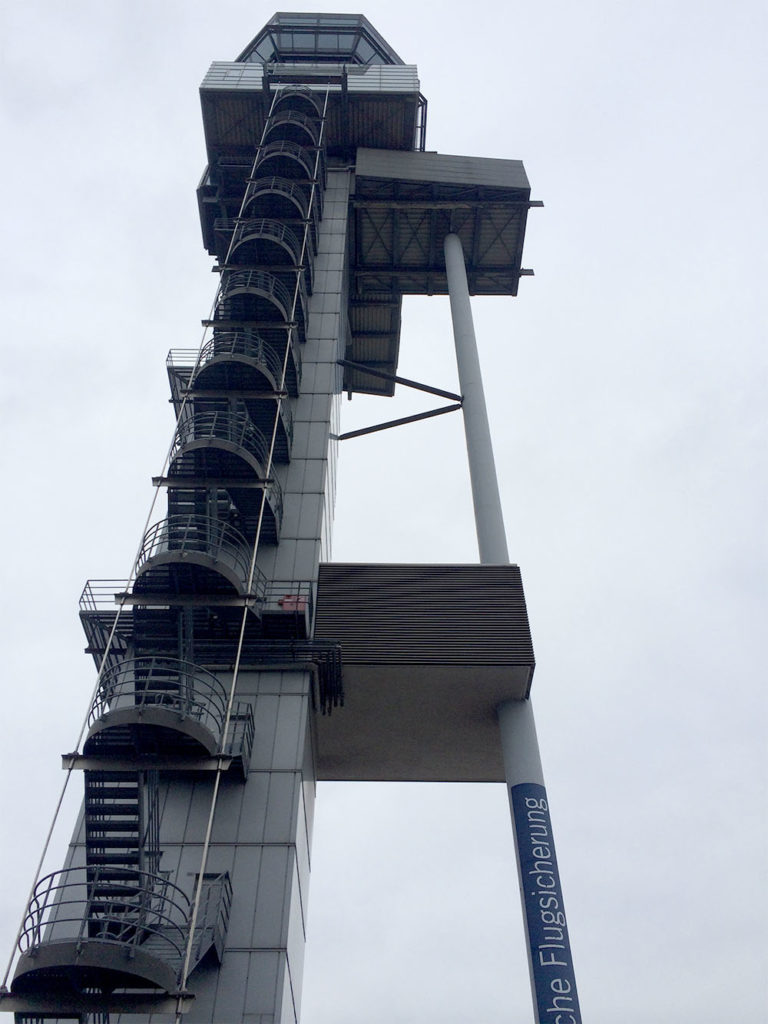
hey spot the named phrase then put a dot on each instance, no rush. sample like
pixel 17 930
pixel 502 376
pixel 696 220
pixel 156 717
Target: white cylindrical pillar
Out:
pixel 519 743
pixel 489 520
pixel 553 984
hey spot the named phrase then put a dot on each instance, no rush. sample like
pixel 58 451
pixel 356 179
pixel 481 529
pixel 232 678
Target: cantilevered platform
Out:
pixel 404 200
pixel 428 653
pixel 374 105
pixel 403 206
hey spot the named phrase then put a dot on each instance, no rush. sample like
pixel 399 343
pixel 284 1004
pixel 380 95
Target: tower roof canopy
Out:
pixel 319 38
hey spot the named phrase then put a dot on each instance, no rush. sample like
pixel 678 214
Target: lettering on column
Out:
pixel 550 948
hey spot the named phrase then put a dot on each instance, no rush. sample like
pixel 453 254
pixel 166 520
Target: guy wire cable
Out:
pixel 107 649
pixel 236 668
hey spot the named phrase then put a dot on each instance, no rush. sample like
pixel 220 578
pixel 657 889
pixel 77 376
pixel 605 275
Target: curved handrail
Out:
pixel 214 538
pixel 246 345
pixel 292 150
pixel 296 192
pixel 287 116
pixel 180 687
pixel 292 93
pixel 233 427
pixel 117 905
pixel 273 231
pixel 260 281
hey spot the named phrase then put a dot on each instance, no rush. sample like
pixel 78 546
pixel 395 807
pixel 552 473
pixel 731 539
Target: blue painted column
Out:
pixel 553 984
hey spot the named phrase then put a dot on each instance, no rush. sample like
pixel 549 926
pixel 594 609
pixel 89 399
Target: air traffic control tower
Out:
pixel 239 665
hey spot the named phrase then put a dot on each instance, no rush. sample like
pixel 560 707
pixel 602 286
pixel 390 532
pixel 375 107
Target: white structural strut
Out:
pixel 553 984
pixel 489 521
pixel 519 743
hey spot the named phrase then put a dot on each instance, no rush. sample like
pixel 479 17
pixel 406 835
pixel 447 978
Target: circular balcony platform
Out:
pixel 297 98
pixel 267 242
pixel 261 297
pixel 283 200
pixel 246 361
pixel 188 556
pixel 88 929
pixel 287 160
pixel 226 450
pixel 291 125
pixel 157 705
pixel 237 446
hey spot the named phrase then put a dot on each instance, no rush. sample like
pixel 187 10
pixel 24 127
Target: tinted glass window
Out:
pixel 329 41
pixel 304 40
pixel 365 51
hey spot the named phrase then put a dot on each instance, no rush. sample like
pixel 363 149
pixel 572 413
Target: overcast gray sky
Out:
pixel 626 390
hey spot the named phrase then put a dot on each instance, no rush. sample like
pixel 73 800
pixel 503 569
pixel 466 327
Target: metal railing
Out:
pixel 248 345
pixel 298 97
pixel 189 534
pixel 213 915
pixel 117 905
pixel 296 192
pixel 293 159
pixel 288 117
pixel 99 596
pixel 290 597
pixel 239 741
pixel 272 231
pixel 366 78
pixel 187 690
pixel 236 428
pixel 244 346
pixel 260 282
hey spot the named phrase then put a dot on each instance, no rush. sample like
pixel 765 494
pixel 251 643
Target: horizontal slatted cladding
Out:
pixel 424 614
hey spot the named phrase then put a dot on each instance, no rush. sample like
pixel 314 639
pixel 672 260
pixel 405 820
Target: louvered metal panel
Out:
pixel 379 107
pixel 425 614
pixel 429 652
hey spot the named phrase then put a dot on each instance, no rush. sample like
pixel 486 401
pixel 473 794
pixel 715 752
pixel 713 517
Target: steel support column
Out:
pixel 553 984
pixel 489 521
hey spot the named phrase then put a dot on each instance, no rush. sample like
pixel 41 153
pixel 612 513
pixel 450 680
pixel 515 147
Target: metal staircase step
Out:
pixel 109 826
pixel 125 878
pixel 110 790
pixel 105 775
pixel 113 842
pixel 125 898
pixel 122 810
pixel 157 941
pixel 116 859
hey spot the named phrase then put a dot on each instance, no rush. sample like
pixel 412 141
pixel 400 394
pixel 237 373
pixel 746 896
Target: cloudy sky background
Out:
pixel 626 391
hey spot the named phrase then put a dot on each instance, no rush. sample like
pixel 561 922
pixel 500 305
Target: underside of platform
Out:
pixel 429 652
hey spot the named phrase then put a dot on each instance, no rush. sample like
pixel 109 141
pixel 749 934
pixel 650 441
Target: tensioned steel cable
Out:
pixel 97 684
pixel 252 570
pixel 113 629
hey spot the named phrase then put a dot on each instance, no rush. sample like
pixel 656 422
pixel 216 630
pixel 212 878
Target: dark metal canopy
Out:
pixel 319 38
pixel 367 106
pixel 404 204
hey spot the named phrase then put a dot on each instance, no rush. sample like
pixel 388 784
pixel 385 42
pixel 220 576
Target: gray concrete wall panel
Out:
pixel 296 942
pixel 289 1005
